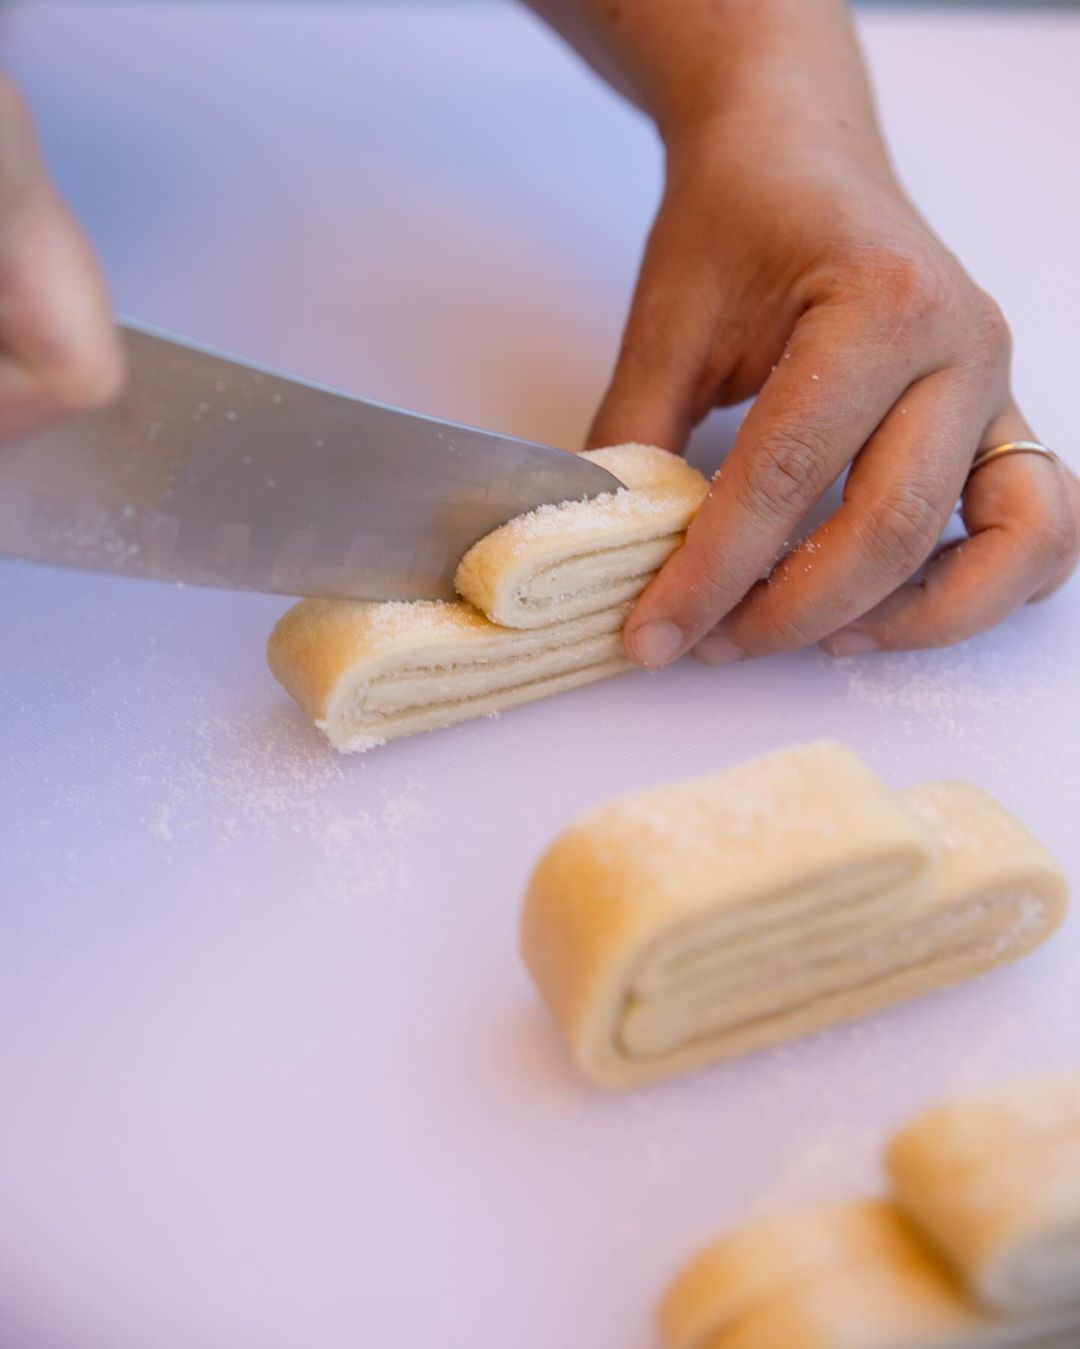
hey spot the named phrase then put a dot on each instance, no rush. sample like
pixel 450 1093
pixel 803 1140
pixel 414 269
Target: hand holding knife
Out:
pixel 209 471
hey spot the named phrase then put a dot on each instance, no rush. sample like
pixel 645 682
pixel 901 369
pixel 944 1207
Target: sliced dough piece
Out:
pixel 695 921
pixel 576 558
pixel 995 1184
pixel 708 919
pixel 999 893
pixel 742 1272
pixel 852 1277
pixel 367 673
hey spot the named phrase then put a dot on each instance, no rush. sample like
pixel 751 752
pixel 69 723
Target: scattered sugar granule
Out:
pixel 159 821
pixel 265 777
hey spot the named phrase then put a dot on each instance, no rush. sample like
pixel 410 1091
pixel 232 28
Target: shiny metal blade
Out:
pixel 214 472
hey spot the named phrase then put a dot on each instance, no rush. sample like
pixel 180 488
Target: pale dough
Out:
pixel 912 1273
pixel 702 920
pixel 853 1277
pixel 558 584
pixel 995 1182
pixel 562 561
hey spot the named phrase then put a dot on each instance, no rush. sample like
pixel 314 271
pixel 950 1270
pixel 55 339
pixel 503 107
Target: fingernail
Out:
pixel 849 642
pixel 655 643
pixel 718 651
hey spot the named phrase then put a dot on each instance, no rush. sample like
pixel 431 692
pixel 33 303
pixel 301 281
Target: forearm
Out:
pixel 747 64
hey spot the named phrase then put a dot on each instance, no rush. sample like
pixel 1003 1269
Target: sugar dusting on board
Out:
pixel 959 692
pixel 262 776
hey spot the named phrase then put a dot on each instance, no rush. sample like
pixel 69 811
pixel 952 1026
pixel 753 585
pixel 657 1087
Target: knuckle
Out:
pixel 784 632
pixel 990 334
pixel 1057 540
pixel 786 473
pixel 908 285
pixel 901 531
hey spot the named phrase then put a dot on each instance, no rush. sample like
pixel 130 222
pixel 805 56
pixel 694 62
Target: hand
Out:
pixel 796 270
pixel 786 262
pixel 59 352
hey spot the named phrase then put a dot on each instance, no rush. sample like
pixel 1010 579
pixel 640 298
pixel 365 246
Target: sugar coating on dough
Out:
pixel 690 923
pixel 580 556
pixel 367 673
pixel 995 1181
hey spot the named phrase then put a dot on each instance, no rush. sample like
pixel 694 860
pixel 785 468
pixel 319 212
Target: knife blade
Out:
pixel 217 472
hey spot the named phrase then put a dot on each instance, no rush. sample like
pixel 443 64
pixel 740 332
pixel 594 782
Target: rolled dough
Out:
pixel 995 1182
pixel 875 1275
pixel 558 584
pixel 702 920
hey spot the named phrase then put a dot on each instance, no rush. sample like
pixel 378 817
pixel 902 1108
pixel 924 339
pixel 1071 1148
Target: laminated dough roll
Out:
pixel 562 561
pixel 995 1183
pixel 557 582
pixel 735 1277
pixel 698 921
pixel 852 1277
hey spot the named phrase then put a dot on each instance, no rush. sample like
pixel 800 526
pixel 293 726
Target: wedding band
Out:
pixel 1011 447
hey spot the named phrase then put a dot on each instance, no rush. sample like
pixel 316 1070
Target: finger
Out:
pixel 1022 513
pixel 838 378
pixel 898 498
pixel 656 392
pixel 1062 573
pixel 58 347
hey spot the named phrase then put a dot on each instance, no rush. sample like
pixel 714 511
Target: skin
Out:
pixel 58 348
pixel 786 262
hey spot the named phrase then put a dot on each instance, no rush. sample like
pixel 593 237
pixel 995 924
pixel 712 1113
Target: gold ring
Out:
pixel 1011 447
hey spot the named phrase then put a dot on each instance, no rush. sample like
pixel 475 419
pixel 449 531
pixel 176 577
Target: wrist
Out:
pixel 754 136
pixel 773 73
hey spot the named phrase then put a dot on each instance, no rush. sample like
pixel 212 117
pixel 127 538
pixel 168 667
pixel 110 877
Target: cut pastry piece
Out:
pixel 368 673
pixel 695 921
pixel 582 556
pixel 995 1184
pixel 855 1277
pixel 707 919
pixel 744 1271
pixel 998 893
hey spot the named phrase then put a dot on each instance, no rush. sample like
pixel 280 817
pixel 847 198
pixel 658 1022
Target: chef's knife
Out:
pixel 211 471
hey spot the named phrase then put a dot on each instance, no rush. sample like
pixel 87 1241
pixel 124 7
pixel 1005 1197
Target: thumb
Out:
pixel 655 395
pixel 58 347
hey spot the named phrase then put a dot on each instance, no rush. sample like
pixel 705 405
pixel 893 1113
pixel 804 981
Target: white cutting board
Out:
pixel 272 1075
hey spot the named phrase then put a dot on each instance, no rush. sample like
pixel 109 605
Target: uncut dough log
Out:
pixel 852 1277
pixel 994 1182
pixel 560 579
pixel 699 921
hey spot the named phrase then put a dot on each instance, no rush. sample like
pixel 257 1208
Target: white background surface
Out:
pixel 272 1077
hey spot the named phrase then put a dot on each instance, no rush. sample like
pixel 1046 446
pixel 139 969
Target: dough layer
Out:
pixel 707 919
pixel 557 583
pixel 856 1277
pixel 875 1275
pixel 578 557
pixel 996 1183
